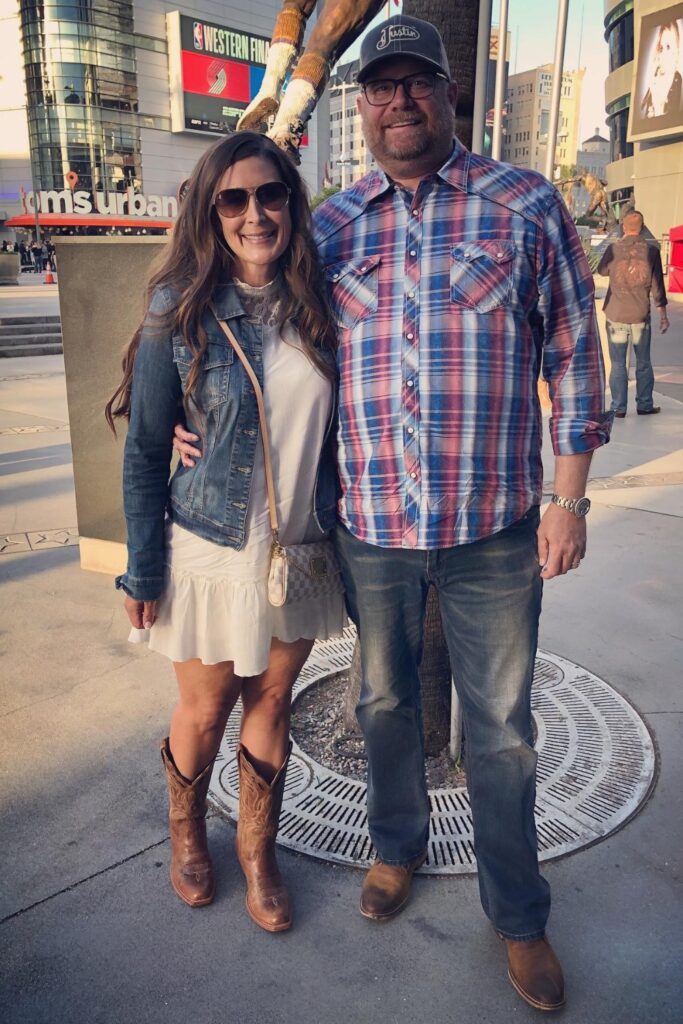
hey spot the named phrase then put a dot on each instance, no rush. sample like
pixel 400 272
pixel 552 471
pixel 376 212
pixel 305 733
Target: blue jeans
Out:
pixel 618 338
pixel 490 601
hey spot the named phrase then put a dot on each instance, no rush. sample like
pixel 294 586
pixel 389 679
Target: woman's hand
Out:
pixel 142 614
pixel 182 443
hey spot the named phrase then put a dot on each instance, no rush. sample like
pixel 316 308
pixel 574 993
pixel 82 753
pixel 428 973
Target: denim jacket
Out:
pixel 210 499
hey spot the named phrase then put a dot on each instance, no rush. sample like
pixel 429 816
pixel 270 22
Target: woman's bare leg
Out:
pixel 266 702
pixel 208 694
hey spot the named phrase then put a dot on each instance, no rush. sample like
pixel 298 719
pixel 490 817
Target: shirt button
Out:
pixel 335 277
pixel 416 213
pixel 411 430
pixel 411 295
pixel 413 252
pixel 413 476
pixel 499 255
pixel 410 336
pixel 409 383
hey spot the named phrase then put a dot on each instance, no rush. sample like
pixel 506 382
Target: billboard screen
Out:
pixel 214 70
pixel 657 95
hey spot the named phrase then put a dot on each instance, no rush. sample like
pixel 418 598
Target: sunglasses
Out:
pixel 273 195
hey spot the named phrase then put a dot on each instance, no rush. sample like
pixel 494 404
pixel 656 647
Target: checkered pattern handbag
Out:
pixel 298 572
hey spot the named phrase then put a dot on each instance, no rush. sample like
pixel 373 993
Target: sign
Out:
pixel 657 93
pixel 79 203
pixel 215 71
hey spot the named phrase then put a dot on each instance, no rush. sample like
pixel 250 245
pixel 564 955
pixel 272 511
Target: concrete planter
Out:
pixel 101 294
pixel 9 267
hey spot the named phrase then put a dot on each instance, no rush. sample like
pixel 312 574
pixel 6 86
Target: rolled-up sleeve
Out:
pixel 156 394
pixel 572 356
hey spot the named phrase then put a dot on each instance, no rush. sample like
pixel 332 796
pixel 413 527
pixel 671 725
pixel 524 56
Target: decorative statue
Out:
pixel 597 194
pixel 339 24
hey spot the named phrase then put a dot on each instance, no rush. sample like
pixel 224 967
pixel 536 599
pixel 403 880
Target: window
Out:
pixel 620 39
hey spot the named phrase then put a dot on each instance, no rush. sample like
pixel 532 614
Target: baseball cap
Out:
pixel 402 36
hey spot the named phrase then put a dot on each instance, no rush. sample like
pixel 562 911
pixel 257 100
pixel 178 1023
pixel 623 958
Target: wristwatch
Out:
pixel 579 506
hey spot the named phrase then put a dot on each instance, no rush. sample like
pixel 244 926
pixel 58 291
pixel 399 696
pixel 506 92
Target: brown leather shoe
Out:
pixel 387 887
pixel 267 900
pixel 535 973
pixel 191 871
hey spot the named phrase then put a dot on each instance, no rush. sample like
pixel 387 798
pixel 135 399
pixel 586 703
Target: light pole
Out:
pixel 560 39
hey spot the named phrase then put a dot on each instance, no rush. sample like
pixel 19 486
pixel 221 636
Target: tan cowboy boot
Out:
pixel 535 973
pixel 191 871
pixel 387 887
pixel 267 899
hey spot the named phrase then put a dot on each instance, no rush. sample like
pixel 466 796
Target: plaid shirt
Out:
pixel 447 301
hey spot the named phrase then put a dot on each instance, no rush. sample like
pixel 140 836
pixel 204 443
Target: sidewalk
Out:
pixel 90 931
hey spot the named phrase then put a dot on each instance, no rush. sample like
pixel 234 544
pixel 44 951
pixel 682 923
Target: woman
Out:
pixel 241 251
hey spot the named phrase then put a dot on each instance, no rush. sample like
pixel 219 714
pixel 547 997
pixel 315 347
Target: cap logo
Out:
pixel 396 33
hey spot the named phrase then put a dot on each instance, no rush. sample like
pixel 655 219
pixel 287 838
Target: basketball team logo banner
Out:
pixel 657 94
pixel 214 70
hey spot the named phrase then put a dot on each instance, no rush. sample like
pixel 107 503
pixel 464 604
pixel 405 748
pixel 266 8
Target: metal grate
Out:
pixel 596 767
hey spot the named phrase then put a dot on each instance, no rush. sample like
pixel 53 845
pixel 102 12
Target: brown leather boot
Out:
pixel 535 973
pixel 191 871
pixel 387 887
pixel 267 899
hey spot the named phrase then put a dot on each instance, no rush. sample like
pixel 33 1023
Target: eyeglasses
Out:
pixel 273 195
pixel 381 91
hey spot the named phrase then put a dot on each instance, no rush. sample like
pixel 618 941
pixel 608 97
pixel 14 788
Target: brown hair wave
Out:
pixel 197 259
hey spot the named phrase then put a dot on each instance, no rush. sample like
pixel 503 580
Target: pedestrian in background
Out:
pixel 634 268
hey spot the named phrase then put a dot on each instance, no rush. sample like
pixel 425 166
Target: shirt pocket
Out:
pixel 213 384
pixel 353 287
pixel 481 274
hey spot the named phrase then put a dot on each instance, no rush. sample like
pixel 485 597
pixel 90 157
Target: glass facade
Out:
pixel 620 38
pixel 82 96
pixel 617 120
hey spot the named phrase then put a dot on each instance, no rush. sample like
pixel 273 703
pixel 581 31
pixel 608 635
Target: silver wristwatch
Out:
pixel 579 506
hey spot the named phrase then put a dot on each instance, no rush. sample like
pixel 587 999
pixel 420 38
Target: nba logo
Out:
pixel 198 35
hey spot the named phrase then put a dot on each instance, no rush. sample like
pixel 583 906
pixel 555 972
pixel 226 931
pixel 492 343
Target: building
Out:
pixel 528 117
pixel 594 155
pixel 349 157
pixel 121 98
pixel 645 169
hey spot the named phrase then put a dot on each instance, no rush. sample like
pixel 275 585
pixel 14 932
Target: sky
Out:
pixel 532 25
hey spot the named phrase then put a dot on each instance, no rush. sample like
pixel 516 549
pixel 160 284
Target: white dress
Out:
pixel 215 605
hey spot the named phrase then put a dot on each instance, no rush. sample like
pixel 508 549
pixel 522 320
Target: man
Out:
pixel 450 277
pixel 634 268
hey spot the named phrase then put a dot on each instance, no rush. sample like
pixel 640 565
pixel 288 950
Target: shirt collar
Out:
pixel 454 172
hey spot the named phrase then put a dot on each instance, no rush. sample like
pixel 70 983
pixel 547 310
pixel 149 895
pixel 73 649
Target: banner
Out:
pixel 214 70
pixel 657 94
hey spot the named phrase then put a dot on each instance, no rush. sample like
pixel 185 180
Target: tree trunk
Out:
pixel 457 21
pixel 435 683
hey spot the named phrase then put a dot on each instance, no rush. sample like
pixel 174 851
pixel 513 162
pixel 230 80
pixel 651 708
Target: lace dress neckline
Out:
pixel 263 302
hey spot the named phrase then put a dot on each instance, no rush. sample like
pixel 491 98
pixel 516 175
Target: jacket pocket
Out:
pixel 481 274
pixel 353 287
pixel 213 384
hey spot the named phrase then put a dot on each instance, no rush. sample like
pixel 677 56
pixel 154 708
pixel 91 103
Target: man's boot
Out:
pixel 267 899
pixel 535 973
pixel 387 887
pixel 191 871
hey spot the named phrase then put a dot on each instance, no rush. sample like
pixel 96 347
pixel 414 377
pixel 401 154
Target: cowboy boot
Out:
pixel 267 899
pixel 191 871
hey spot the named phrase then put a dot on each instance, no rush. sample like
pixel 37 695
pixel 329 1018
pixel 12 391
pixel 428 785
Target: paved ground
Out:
pixel 89 929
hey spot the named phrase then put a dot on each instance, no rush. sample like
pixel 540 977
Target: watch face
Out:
pixel 582 507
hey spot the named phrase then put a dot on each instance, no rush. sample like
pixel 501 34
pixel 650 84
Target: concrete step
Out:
pixel 15 351
pixel 29 327
pixel 37 338
pixel 21 321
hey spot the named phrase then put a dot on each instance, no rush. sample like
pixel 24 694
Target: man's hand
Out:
pixel 561 542
pixel 663 322
pixel 182 443
pixel 142 614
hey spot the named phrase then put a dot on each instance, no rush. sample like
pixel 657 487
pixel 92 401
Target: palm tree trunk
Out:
pixel 457 21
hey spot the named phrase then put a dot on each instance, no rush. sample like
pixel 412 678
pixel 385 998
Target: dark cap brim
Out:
pixel 363 75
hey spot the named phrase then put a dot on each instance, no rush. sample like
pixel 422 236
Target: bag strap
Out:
pixel 270 487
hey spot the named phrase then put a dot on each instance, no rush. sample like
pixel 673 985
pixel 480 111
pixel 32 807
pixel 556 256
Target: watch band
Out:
pixel 580 507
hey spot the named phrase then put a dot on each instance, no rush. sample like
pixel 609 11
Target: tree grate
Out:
pixel 596 767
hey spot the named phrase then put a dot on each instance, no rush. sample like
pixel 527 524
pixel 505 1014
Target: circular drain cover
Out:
pixel 596 764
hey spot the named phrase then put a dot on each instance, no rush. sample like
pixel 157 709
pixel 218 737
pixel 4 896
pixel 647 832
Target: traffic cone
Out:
pixel 49 279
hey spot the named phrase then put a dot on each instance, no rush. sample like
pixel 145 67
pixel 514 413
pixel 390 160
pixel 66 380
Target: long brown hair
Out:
pixel 197 259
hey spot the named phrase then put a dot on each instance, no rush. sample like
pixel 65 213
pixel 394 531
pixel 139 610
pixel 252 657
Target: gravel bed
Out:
pixel 318 728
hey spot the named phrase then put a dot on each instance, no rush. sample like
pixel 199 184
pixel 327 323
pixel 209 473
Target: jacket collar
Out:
pixel 226 301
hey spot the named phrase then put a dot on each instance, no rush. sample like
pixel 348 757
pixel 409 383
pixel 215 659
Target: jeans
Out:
pixel 618 338
pixel 490 600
